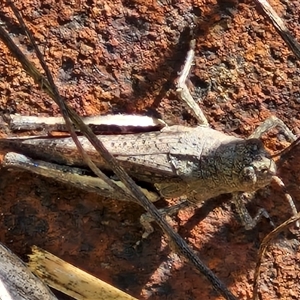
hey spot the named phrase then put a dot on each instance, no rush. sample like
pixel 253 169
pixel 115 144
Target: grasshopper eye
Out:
pixel 265 170
pixel 248 174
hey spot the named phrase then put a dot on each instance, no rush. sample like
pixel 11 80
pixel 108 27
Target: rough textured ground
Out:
pixel 123 56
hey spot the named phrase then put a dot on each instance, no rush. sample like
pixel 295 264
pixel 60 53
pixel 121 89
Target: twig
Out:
pixel 18 282
pixel 285 152
pixel 263 247
pixel 280 27
pixel 71 280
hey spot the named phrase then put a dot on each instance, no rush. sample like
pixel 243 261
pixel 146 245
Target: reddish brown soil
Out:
pixel 123 57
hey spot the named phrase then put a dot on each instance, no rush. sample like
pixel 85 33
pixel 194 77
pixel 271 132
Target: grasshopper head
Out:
pixel 258 171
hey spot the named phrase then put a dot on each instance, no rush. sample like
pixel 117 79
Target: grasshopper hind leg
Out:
pixel 183 91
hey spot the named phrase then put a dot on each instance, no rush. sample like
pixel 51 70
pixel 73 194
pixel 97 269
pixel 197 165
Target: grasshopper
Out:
pixel 199 163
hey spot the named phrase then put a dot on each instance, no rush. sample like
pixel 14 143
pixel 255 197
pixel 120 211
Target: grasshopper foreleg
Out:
pixel 267 125
pixel 271 123
pixel 246 219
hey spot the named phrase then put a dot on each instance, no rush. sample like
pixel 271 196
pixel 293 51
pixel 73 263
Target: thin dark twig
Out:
pixel 263 247
pixel 284 153
pixel 280 27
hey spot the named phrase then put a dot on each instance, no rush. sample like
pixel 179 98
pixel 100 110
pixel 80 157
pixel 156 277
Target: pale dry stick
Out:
pixel 71 280
pixel 263 247
pixel 17 282
pixel 279 25
pixel 181 246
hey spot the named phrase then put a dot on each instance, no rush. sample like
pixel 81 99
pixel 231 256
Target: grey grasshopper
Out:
pixel 198 163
